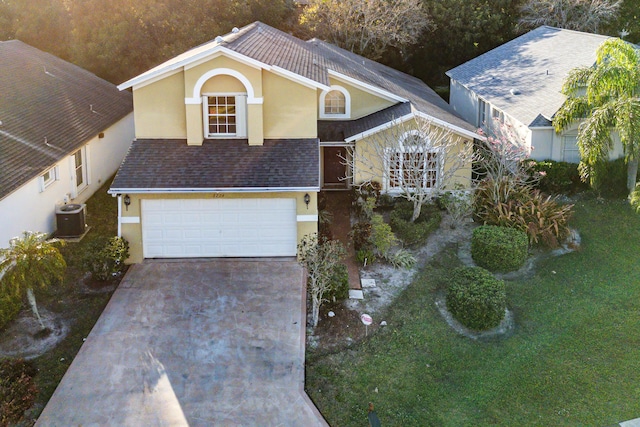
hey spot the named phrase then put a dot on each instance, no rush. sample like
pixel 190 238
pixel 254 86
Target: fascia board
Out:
pixel 211 190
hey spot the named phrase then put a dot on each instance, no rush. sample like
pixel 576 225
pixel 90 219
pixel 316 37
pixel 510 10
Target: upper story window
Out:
pixel 225 115
pixel 497 115
pixel 335 103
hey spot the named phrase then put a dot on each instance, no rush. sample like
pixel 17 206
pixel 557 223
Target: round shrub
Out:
pixel 476 298
pixel 105 257
pixel 499 248
pixel 414 233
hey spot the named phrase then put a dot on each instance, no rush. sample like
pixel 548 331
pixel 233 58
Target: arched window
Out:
pixel 412 164
pixel 335 103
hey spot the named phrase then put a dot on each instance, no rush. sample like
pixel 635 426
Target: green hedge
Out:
pixel 499 248
pixel 610 178
pixel 476 298
pixel 558 177
pixel 10 304
pixel 414 233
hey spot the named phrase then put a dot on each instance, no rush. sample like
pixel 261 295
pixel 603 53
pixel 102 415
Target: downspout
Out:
pixel 119 216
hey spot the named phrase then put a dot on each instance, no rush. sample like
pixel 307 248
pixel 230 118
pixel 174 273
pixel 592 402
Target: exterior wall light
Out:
pixel 307 199
pixel 127 201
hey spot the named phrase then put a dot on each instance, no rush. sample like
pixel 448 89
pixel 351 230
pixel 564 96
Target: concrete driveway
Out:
pixel 197 343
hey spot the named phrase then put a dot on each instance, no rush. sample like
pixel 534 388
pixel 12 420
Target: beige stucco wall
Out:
pixel 369 162
pixel 159 109
pixel 290 109
pixel 362 103
pixel 132 232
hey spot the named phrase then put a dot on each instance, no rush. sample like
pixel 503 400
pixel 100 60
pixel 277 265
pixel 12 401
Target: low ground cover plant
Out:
pixel 18 390
pixel 499 249
pixel 476 298
pixel 105 257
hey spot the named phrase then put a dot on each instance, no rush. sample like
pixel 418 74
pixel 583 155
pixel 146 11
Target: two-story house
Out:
pixel 235 138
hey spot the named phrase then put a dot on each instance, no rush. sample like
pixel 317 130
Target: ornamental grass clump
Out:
pixel 476 298
pixel 499 249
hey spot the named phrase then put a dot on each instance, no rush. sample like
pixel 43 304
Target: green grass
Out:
pixel 81 310
pixel 573 358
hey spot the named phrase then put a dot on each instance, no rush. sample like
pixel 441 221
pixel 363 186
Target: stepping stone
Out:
pixel 631 423
pixel 356 294
pixel 368 283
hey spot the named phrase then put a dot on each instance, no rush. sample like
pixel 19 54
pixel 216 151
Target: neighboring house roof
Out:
pixel 48 109
pixel 524 77
pixel 167 165
pixel 313 62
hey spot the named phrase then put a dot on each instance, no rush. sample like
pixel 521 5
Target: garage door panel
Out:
pixel 176 228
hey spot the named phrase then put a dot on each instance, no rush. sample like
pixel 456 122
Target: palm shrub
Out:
pixel 32 260
pixel 499 248
pixel 540 216
pixel 475 298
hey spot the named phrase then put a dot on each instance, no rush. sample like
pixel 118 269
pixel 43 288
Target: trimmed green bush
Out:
pixel 10 304
pixel 17 389
pixel 610 178
pixel 414 233
pixel 558 177
pixel 499 248
pixel 105 257
pixel 476 299
pixel 361 234
pixel 338 284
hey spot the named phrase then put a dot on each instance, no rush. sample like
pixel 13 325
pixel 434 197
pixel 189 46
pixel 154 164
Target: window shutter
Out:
pixel 241 116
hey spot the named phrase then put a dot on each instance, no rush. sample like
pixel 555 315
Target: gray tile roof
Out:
pixel 48 109
pixel 171 164
pixel 314 60
pixel 535 65
pixel 340 130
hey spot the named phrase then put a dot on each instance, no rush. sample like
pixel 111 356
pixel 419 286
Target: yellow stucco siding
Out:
pixel 369 164
pixel 223 84
pixel 159 109
pixel 132 232
pixel 290 109
pixel 362 103
pixel 253 75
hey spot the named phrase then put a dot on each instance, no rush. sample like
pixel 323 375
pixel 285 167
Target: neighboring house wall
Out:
pixel 131 215
pixel 464 102
pixel 32 208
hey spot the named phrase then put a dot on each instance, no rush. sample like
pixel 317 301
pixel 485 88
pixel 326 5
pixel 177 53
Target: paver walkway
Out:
pixel 339 204
pixel 193 343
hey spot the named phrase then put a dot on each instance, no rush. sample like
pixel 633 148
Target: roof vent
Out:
pixel 219 39
pixel 235 30
pixel 515 91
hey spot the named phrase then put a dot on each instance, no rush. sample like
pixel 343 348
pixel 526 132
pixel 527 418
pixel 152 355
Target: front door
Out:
pixel 335 171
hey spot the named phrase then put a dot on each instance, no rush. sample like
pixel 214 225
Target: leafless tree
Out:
pixel 415 159
pixel 319 259
pixel 366 27
pixel 581 15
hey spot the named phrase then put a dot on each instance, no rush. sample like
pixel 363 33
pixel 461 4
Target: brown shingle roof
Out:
pixel 172 165
pixel 48 109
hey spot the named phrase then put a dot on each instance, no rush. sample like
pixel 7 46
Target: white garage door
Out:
pixel 183 228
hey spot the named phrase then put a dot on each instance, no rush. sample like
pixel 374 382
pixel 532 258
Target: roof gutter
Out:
pixel 115 191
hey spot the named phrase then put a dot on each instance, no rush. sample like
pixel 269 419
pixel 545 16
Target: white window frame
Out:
pixel 49 177
pixel 497 114
pixel 347 103
pixel 83 168
pixel 401 150
pixel 574 140
pixel 240 115
pixel 482 112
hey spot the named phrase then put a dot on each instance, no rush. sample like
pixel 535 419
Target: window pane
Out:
pixel 222 115
pixel 335 103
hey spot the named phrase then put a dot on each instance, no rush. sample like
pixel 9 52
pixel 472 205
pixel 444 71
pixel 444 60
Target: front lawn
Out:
pixel 572 359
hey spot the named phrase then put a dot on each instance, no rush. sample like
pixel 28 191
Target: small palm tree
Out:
pixel 31 261
pixel 607 96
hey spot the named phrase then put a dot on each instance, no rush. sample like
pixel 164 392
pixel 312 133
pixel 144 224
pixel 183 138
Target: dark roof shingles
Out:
pixel 48 109
pixel 219 164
